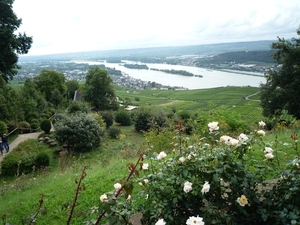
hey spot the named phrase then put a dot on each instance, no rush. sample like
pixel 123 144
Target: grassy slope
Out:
pixel 106 164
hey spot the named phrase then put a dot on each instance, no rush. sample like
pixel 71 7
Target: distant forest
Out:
pixel 239 57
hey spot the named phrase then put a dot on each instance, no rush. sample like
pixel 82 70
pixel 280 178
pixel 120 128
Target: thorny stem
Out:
pixel 83 174
pixel 120 190
pixel 41 201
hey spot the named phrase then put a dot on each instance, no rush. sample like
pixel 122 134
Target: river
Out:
pixel 210 79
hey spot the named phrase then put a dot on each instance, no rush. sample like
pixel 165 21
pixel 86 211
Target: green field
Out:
pixel 233 98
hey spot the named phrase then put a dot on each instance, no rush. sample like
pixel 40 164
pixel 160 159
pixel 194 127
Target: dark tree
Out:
pixel 99 91
pixel 49 80
pixel 282 88
pixel 11 44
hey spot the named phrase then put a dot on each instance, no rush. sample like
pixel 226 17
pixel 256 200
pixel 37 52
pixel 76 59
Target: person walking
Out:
pixel 1 146
pixel 5 142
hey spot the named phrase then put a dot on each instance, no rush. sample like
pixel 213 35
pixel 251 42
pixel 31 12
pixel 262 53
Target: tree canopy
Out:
pixel 282 88
pixel 11 44
pixel 99 91
pixel 49 80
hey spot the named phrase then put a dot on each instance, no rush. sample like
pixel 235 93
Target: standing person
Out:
pixel 1 146
pixel 5 142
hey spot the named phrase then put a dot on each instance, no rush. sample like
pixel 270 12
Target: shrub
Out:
pixel 58 117
pixel 24 126
pixel 146 118
pixel 143 118
pixel 184 115
pixel 80 132
pixel 46 126
pixel 123 117
pixel 22 159
pixel 137 99
pixel 34 126
pixel 99 119
pixel 3 128
pixel 108 118
pixel 42 160
pixel 113 132
pixel 78 107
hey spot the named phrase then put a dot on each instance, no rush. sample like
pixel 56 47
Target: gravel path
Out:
pixel 18 140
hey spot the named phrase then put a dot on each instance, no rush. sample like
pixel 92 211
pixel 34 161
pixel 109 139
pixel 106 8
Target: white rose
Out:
pixel 117 186
pixel 181 159
pixel 205 188
pixel 145 166
pixel 161 155
pixel 187 187
pixel 103 198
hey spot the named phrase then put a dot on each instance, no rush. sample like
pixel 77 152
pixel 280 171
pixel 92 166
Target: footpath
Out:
pixel 18 140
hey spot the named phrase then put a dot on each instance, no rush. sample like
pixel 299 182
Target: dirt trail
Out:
pixel 18 140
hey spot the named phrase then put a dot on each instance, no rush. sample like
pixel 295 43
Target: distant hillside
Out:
pixel 161 52
pixel 239 57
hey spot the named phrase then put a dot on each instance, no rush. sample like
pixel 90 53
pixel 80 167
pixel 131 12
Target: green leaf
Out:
pixel 216 178
pixel 106 207
pixel 128 187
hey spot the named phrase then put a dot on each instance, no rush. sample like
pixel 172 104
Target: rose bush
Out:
pixel 213 181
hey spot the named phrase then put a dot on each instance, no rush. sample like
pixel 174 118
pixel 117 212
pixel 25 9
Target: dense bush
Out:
pixel 123 117
pixel 45 126
pixel 108 118
pixel 146 118
pixel 42 160
pixel 58 117
pixel 3 128
pixel 184 115
pixel 24 126
pixel 22 159
pixel 99 119
pixel 143 119
pixel 80 132
pixel 78 107
pixel 113 132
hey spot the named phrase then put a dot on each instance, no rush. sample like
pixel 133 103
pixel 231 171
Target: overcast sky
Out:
pixel 62 26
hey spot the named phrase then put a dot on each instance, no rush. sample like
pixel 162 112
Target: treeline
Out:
pixel 239 57
pixel 136 66
pixel 179 72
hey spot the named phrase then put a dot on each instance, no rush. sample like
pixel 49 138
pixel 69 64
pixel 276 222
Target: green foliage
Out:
pixel 184 115
pixel 220 181
pixel 123 117
pixel 113 132
pixel 11 44
pixel 34 125
pixel 108 117
pixel 160 141
pixel 281 90
pixel 99 119
pixel 42 160
pixel 137 99
pixel 142 120
pixel 22 159
pixel 99 91
pixel 3 128
pixel 23 125
pixel 284 118
pixel 80 132
pixel 75 107
pixel 58 117
pixel 72 86
pixel 146 118
pixel 46 126
pixel 49 80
